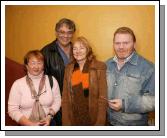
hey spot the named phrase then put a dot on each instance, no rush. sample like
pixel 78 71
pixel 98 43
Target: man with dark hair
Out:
pixel 58 53
pixel 131 82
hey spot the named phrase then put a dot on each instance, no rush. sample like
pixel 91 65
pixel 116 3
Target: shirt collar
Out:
pixel 65 58
pixel 126 60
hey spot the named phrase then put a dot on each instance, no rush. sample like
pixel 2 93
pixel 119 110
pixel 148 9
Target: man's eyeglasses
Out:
pixel 62 33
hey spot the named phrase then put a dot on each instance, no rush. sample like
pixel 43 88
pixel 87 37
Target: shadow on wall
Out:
pixel 13 71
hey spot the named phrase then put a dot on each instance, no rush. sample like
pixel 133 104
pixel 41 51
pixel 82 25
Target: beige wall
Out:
pixel 32 27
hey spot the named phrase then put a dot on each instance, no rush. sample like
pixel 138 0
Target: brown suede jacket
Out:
pixel 97 90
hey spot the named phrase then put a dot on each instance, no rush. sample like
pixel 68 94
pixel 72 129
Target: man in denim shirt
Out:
pixel 131 82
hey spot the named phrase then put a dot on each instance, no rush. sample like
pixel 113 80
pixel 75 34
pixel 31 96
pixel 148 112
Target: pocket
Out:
pixel 133 84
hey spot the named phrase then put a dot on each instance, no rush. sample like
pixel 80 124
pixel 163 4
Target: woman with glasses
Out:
pixel 84 88
pixel 32 101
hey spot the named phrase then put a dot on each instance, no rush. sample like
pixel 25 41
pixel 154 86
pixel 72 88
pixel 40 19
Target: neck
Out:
pixel 35 77
pixel 81 64
pixel 121 61
pixel 120 64
pixel 66 49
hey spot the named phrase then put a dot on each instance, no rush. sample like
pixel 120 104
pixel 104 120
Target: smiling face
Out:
pixel 64 35
pixel 123 45
pixel 79 51
pixel 35 66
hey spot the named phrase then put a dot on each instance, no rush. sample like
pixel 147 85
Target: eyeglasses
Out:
pixel 62 33
pixel 33 63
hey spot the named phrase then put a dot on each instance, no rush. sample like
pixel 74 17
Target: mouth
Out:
pixel 121 51
pixel 65 39
pixel 36 71
pixel 78 55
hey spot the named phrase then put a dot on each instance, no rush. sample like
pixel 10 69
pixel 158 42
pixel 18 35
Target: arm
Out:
pixel 56 96
pixel 14 106
pixel 26 122
pixel 14 102
pixel 65 102
pixel 144 102
pixel 102 103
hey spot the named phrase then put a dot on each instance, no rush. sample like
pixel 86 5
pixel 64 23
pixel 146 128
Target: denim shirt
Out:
pixel 63 55
pixel 134 83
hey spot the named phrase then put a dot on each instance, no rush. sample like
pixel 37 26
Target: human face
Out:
pixel 79 51
pixel 123 46
pixel 64 35
pixel 35 66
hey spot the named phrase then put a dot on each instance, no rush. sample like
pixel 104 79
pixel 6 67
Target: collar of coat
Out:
pixel 89 64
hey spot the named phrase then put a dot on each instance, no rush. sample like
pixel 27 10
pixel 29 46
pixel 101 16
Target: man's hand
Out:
pixel 115 104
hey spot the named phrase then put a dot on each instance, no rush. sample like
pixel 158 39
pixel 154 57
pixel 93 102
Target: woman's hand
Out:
pixel 37 123
pixel 45 121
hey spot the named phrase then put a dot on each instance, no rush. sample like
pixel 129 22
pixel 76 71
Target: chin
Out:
pixel 81 59
pixel 121 57
pixel 65 43
pixel 36 74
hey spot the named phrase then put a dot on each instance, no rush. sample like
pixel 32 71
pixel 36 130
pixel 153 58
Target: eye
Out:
pixel 117 43
pixel 82 47
pixel 125 43
pixel 32 63
pixel 74 49
pixel 40 63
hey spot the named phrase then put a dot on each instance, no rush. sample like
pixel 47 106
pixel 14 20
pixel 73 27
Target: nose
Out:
pixel 77 51
pixel 36 66
pixel 121 46
pixel 65 35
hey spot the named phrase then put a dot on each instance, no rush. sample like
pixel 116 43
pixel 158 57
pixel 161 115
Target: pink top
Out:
pixel 20 100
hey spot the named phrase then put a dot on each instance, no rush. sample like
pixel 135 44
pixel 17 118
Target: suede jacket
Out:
pixel 97 93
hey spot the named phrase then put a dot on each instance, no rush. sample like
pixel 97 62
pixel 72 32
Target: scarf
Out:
pixel 38 112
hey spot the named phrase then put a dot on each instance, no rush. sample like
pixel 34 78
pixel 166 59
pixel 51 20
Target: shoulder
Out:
pixel 50 76
pixel 52 80
pixel 145 63
pixel 98 64
pixel 49 46
pixel 70 65
pixel 109 61
pixel 19 82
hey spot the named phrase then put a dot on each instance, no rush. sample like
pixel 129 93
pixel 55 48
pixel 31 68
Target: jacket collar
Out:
pixel 133 60
pixel 93 64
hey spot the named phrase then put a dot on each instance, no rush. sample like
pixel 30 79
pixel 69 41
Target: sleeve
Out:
pixel 56 96
pixel 102 103
pixel 146 101
pixel 65 102
pixel 14 102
